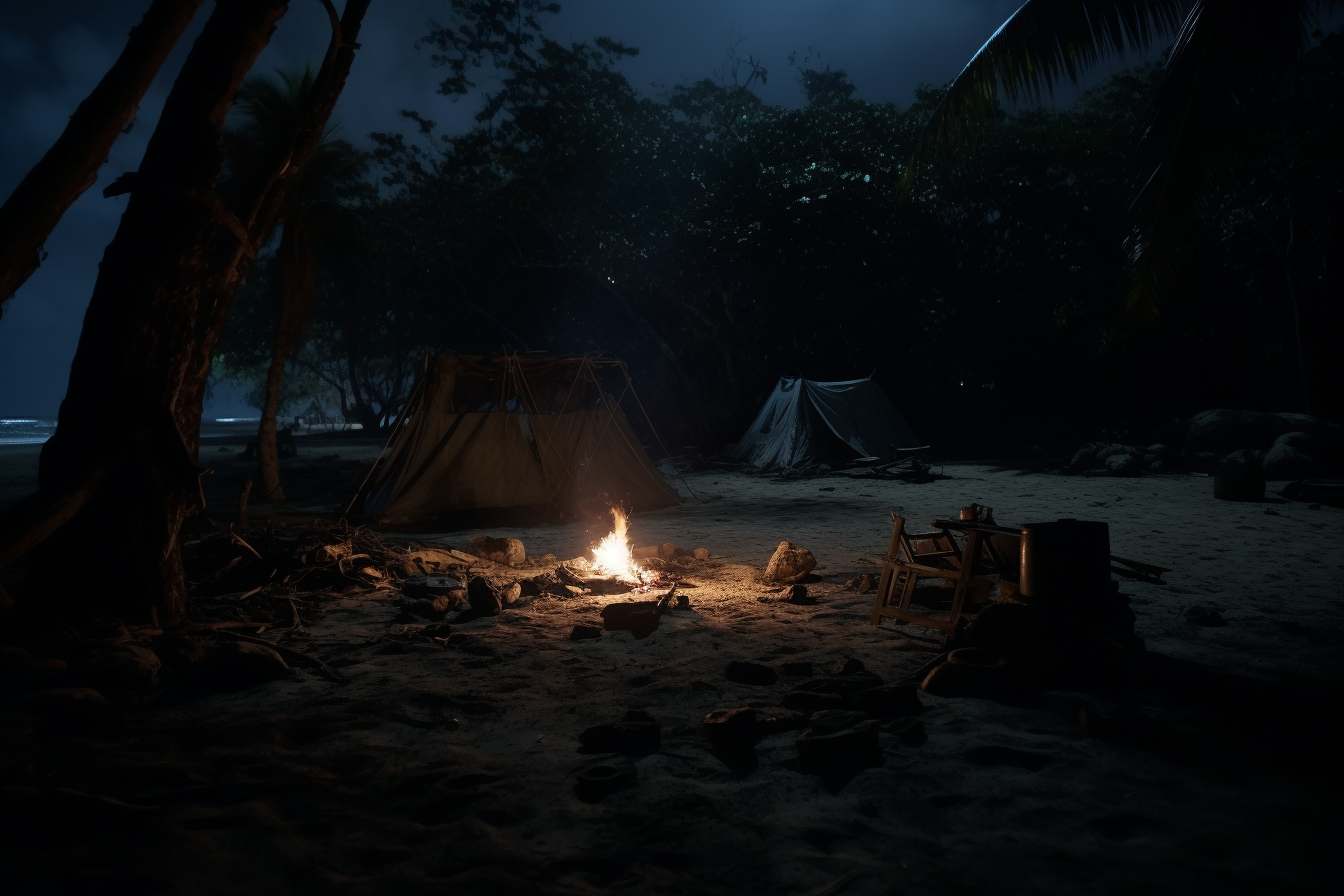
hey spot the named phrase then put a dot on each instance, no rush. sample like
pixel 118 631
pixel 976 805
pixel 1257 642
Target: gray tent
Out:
pixel 806 422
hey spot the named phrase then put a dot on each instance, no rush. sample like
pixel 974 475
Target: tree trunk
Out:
pixel 71 165
pixel 296 278
pixel 160 302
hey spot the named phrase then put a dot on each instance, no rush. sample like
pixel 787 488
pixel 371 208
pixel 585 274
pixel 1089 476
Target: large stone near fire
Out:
pixel 482 597
pixel 508 551
pixel 789 563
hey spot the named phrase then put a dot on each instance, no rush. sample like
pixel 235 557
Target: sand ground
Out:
pixel 451 769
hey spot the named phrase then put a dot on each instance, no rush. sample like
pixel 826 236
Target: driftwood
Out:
pixel 290 654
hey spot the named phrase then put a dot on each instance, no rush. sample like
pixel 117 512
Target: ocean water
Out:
pixel 26 430
pixel 36 430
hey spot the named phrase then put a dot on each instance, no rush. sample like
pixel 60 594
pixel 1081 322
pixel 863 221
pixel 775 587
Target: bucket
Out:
pixel 1065 559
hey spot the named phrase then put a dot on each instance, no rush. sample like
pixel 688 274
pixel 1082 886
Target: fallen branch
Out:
pixel 32 520
pixel 291 654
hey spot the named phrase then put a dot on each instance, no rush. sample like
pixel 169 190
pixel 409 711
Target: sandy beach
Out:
pixel 452 768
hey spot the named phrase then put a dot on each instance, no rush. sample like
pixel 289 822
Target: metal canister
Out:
pixel 1066 559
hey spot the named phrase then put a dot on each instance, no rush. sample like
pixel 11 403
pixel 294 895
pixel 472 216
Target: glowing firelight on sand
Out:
pixel 612 556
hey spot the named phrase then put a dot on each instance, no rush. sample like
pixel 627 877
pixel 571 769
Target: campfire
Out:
pixel 613 556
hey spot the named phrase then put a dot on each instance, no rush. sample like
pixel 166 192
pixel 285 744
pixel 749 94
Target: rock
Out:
pixel 700 553
pixel 844 684
pixel 64 709
pixel 511 594
pixel 435 607
pixel 1205 616
pixel 910 730
pixel 1085 458
pixel 797 594
pixel 1240 477
pixel 636 735
pixel 482 597
pixel 731 727
pixel 240 664
pixel 430 586
pixel 1224 430
pixel 18 666
pixel 1294 456
pixel 968 672
pixel 888 701
pixel 122 665
pixel 789 563
pixel 640 617
pixel 509 551
pixel 837 740
pixel 849 666
pixel 744 672
pixel 667 550
pixel 584 632
pixel 597 782
pixel 1122 464
pixel 812 701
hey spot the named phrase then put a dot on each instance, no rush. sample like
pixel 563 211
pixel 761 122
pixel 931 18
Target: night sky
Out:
pixel 53 53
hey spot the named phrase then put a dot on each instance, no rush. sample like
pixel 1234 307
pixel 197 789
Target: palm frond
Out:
pixel 1219 67
pixel 1042 44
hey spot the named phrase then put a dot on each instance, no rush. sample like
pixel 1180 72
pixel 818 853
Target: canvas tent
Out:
pixel 805 422
pixel 516 432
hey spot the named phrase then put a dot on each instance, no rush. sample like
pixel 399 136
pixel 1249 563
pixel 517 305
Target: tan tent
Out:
pixel 535 434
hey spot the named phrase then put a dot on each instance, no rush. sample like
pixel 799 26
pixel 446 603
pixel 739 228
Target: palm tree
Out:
pixel 1217 69
pixel 312 213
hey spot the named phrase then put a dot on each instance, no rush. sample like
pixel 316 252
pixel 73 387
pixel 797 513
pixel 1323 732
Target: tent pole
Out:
pixel 630 384
pixel 396 428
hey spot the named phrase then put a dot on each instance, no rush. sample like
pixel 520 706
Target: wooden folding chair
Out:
pixel 930 555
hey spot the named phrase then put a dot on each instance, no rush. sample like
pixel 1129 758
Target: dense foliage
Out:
pixel 715 242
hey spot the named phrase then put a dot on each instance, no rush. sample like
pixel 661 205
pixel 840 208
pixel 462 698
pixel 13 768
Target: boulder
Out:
pixel 1122 464
pixel 508 551
pixel 1240 476
pixel 122 665
pixel 667 550
pixel 482 597
pixel 1294 455
pixel 731 727
pixel 700 553
pixel 584 632
pixel 789 563
pixel 18 666
pixel 1223 430
pixel 1085 458
pixel 797 594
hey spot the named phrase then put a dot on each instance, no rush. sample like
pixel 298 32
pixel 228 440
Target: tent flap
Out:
pixel 513 433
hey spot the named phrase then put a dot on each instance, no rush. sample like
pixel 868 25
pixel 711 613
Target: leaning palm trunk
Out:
pixel 296 276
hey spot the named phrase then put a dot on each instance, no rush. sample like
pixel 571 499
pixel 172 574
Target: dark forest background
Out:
pixel 715 243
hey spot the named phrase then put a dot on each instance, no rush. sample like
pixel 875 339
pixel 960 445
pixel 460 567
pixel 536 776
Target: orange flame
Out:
pixel 613 557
